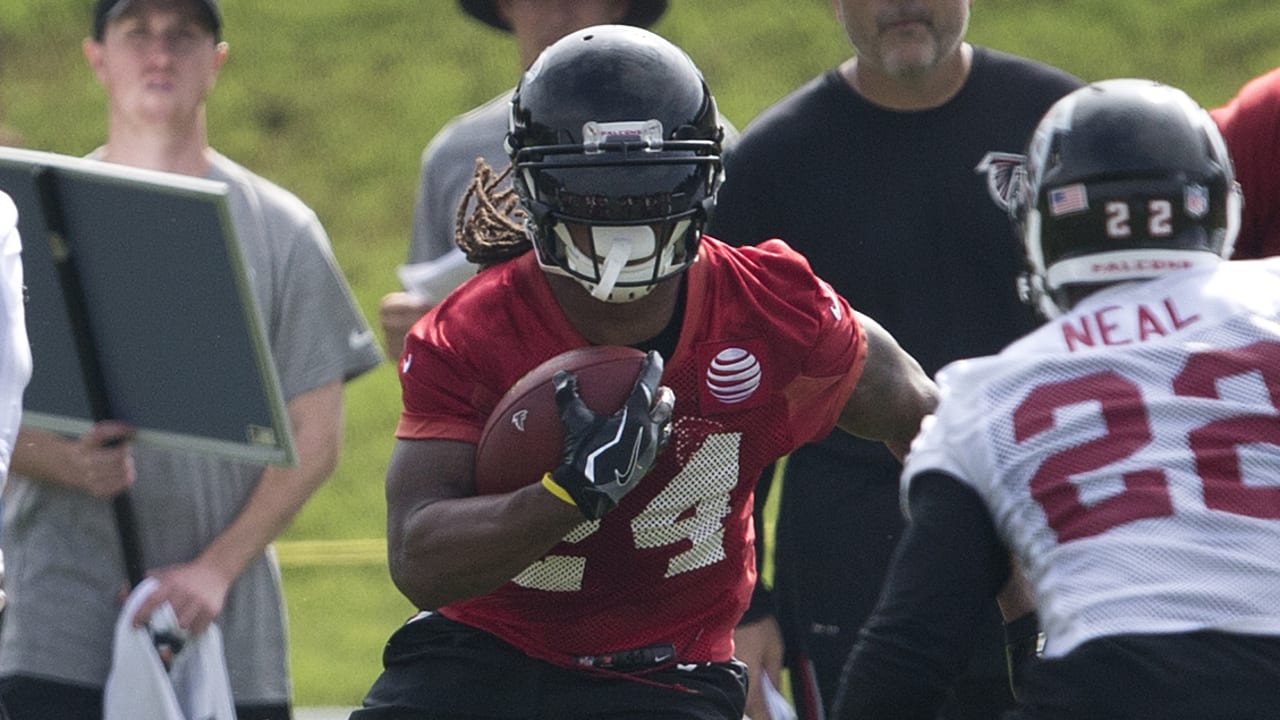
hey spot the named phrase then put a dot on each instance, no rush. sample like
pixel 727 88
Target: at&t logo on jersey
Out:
pixel 734 375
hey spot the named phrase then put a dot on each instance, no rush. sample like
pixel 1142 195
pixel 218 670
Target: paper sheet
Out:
pixel 434 279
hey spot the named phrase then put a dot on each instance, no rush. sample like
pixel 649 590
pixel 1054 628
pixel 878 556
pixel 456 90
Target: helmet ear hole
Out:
pixel 613 127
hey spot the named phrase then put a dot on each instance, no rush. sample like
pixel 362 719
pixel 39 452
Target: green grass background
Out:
pixel 335 99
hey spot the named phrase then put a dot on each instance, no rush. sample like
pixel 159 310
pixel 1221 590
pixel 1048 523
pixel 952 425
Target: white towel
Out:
pixel 195 688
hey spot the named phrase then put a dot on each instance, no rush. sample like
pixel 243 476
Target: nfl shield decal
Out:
pixel 1195 198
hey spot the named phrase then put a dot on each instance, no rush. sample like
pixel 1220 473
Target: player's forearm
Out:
pixel 453 549
pixel 892 395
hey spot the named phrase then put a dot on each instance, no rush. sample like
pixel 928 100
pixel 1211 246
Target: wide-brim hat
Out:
pixel 643 13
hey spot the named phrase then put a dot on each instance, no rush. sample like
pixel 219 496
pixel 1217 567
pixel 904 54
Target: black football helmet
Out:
pixel 613 129
pixel 1124 179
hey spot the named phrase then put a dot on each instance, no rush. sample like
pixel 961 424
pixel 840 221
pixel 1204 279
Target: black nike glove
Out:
pixel 606 455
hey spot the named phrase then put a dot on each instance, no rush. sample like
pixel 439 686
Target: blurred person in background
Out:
pixel 15 352
pixel 1250 122
pixel 205 524
pixel 879 171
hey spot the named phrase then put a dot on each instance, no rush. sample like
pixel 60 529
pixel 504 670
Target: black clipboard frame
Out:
pixel 175 332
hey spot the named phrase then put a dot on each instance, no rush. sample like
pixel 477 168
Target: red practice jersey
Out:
pixel 1250 124
pixel 767 356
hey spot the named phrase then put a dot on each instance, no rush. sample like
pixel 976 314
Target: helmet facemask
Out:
pixel 639 204
pixel 622 262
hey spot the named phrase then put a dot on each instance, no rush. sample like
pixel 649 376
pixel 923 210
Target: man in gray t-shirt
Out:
pixel 205 525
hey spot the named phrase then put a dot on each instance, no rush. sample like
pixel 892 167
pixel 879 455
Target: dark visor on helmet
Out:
pixel 617 186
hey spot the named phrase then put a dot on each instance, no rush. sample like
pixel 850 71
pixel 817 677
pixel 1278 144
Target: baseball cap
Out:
pixel 110 9
pixel 642 13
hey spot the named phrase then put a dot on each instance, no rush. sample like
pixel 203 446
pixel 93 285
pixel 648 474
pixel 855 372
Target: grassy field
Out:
pixel 335 99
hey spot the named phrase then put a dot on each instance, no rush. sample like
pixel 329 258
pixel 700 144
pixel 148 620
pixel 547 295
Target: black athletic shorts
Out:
pixel 435 668
pixel 1193 676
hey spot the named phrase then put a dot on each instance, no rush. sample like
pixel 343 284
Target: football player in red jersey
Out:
pixel 611 588
pixel 1250 123
pixel 1126 452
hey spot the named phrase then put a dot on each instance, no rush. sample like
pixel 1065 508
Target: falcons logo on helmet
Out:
pixel 1005 174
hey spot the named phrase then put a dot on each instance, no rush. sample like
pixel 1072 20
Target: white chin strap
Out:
pixel 614 262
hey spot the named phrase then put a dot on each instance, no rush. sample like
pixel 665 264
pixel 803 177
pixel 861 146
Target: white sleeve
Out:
pixel 15 353
pixel 950 440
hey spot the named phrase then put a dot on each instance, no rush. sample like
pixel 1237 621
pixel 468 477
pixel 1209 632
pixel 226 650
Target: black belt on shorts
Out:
pixel 634 659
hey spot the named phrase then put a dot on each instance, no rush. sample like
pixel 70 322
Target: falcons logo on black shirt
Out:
pixel 1005 174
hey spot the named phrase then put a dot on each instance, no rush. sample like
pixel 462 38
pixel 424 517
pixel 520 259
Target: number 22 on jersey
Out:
pixel 1128 429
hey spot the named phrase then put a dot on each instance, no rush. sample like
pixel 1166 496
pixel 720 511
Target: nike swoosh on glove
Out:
pixel 605 456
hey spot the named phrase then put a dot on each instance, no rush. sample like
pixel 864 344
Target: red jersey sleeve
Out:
pixel 1250 124
pixel 437 391
pixel 467 351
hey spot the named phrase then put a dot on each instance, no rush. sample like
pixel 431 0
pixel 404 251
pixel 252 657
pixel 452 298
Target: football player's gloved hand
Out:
pixel 606 455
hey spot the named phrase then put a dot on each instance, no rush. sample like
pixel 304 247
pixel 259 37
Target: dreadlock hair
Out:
pixel 494 232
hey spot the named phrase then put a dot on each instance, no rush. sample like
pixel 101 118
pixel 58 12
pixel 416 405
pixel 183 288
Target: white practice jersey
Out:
pixel 1129 453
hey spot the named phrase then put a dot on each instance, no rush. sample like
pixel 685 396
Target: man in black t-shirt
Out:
pixel 878 171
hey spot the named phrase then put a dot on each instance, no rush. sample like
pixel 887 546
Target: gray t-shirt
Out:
pixel 64 563
pixel 448 164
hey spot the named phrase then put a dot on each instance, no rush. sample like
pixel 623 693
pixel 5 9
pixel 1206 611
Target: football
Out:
pixel 522 439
